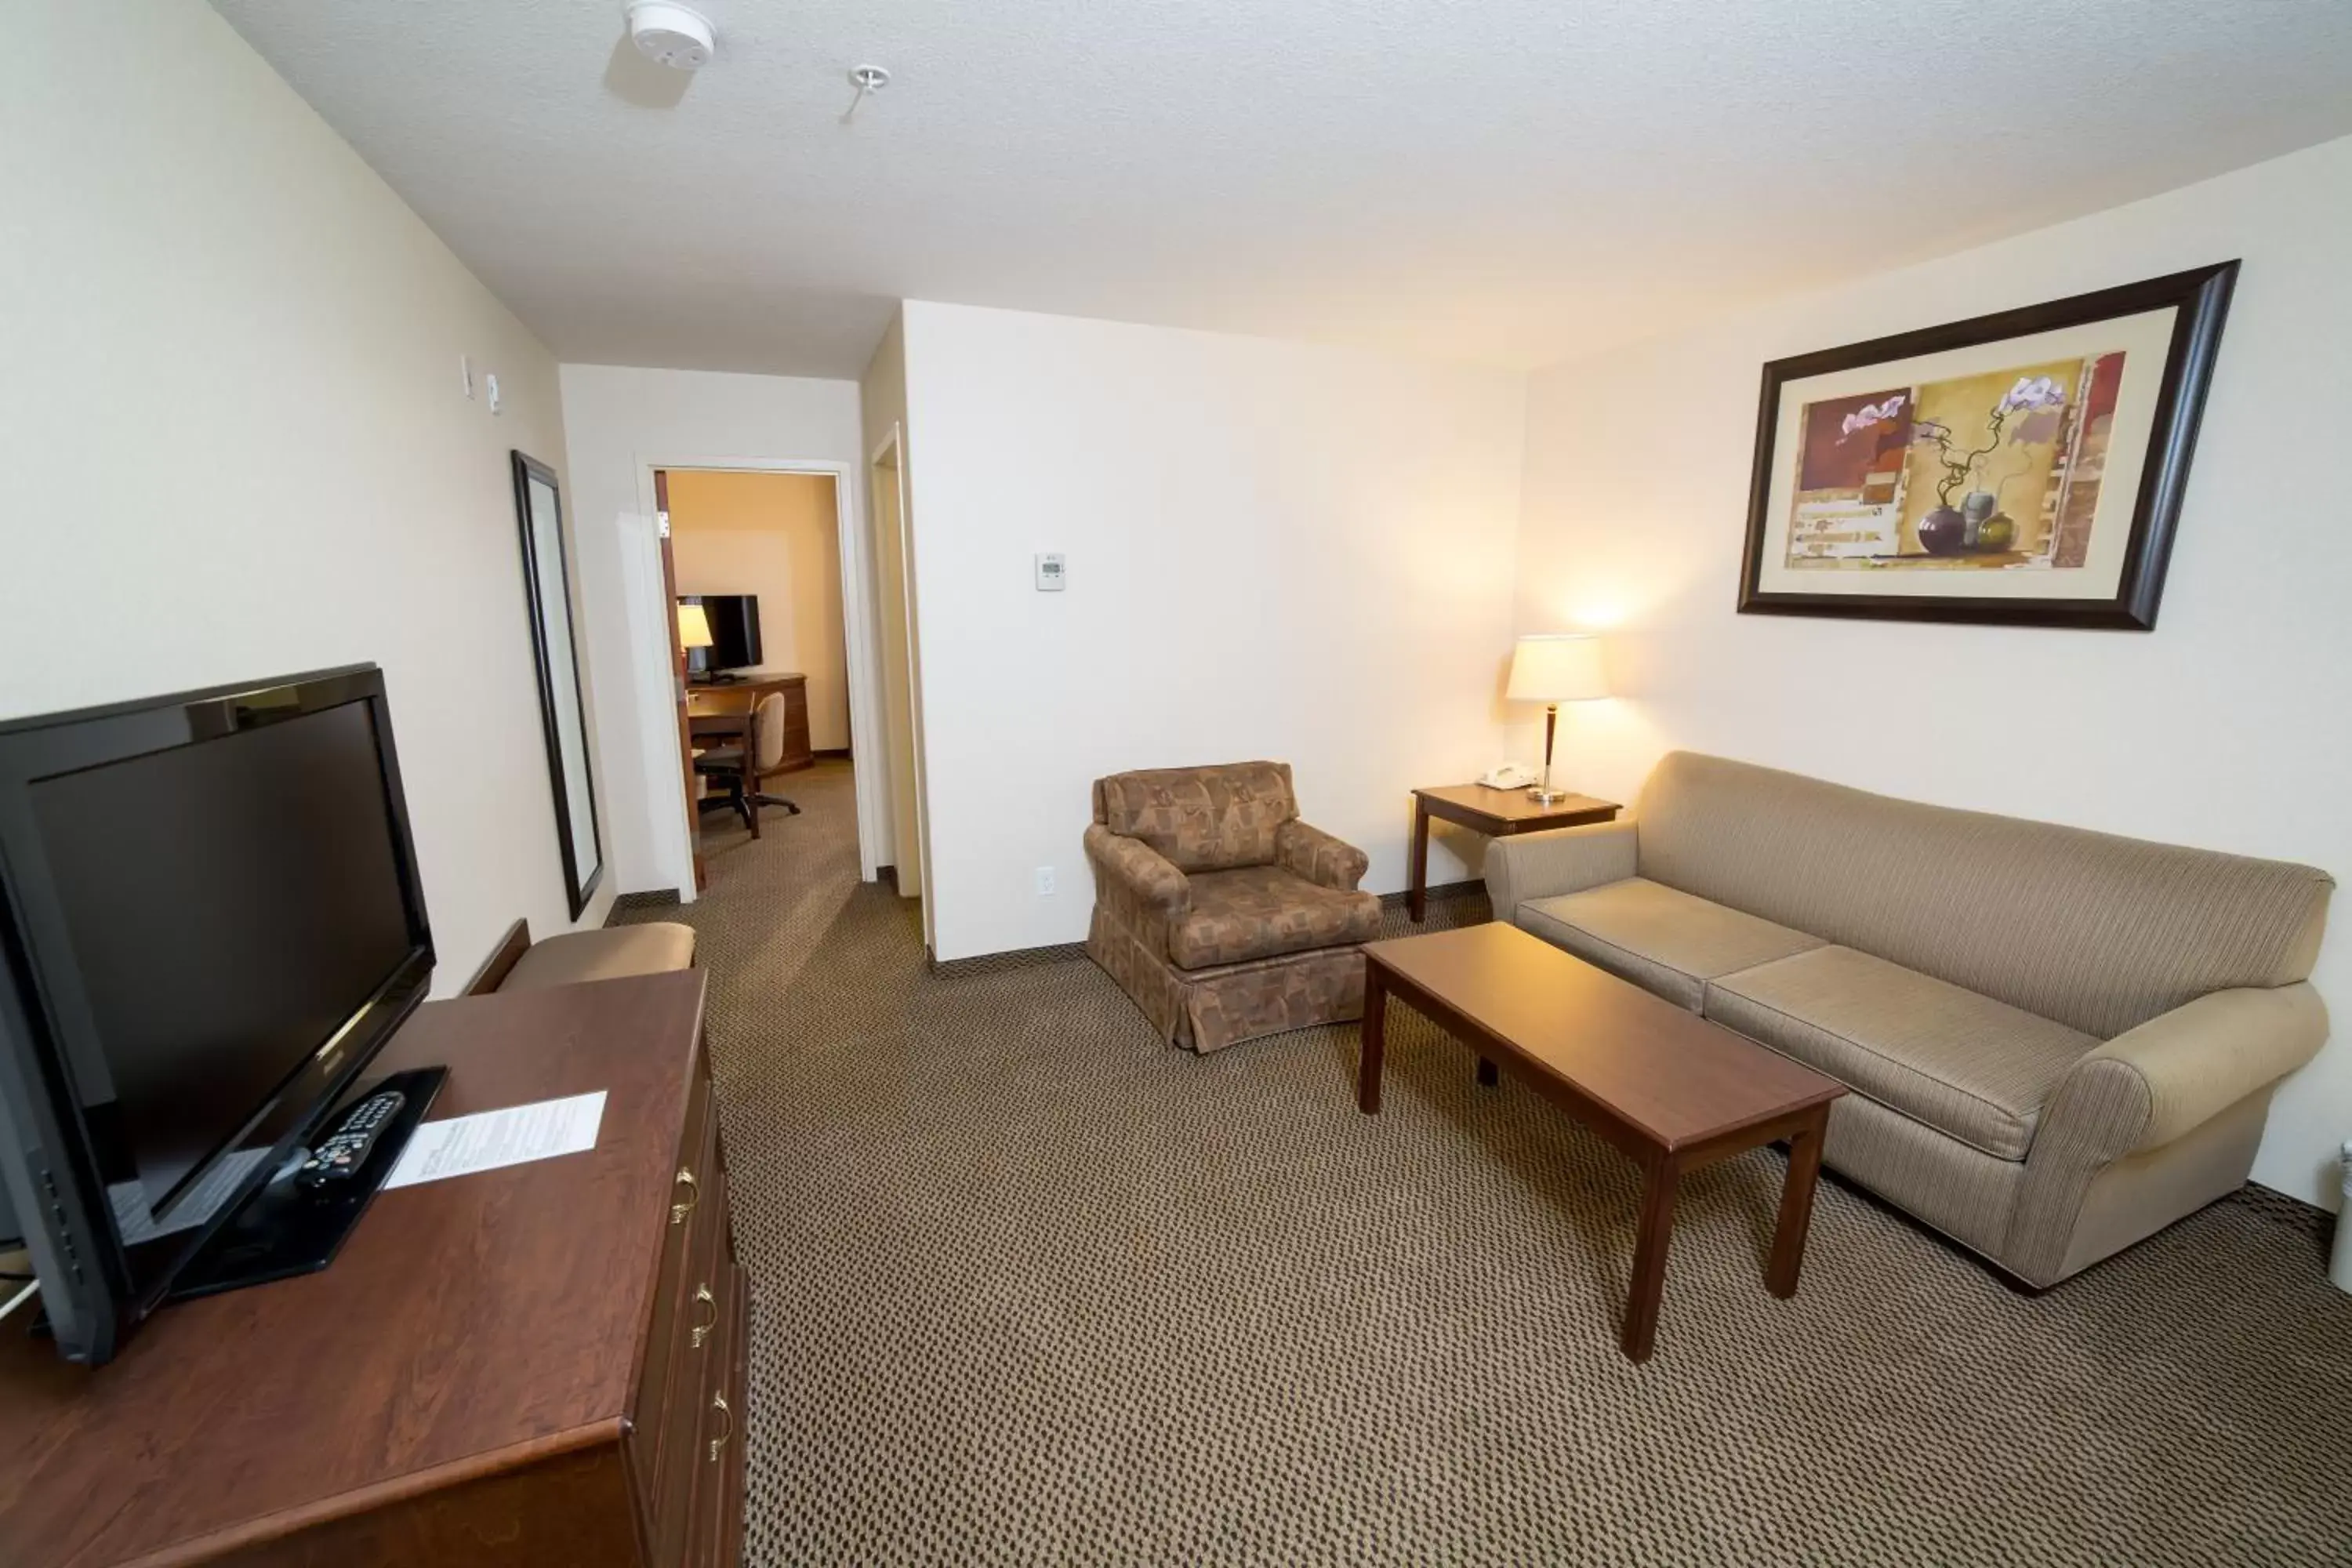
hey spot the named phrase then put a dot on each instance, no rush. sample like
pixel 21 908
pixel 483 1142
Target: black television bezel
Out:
pixel 91 1298
pixel 755 653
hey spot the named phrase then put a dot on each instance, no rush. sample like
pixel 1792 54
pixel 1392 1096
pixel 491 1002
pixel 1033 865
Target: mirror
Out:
pixel 538 510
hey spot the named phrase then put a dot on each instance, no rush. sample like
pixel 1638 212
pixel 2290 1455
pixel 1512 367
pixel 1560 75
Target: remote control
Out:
pixel 338 1159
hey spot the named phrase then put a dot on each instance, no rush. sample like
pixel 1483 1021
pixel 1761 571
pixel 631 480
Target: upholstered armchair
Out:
pixel 1223 915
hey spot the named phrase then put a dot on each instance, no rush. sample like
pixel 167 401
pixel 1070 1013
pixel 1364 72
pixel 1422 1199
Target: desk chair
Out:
pixel 741 748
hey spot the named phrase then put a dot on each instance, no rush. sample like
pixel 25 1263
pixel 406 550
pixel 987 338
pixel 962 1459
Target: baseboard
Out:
pixel 1447 891
pixel 999 962
pixel 1455 903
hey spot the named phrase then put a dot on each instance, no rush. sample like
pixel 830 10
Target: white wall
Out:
pixel 618 422
pixel 1274 551
pixel 232 419
pixel 2229 726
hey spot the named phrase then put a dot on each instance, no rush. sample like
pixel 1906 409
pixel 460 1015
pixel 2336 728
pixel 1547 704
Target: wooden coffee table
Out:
pixel 1670 1090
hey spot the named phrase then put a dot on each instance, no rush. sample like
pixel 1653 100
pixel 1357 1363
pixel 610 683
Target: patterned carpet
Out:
pixel 1031 1287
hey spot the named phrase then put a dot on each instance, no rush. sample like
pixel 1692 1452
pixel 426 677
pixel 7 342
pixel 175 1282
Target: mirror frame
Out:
pixel 579 887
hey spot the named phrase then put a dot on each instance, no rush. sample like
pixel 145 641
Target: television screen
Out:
pixel 228 905
pixel 734 632
pixel 210 922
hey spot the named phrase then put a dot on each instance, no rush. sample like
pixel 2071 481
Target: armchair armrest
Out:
pixel 1311 853
pixel 2178 1070
pixel 1564 860
pixel 1135 879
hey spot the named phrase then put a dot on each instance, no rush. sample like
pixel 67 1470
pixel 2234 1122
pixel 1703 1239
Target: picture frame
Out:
pixel 2020 468
pixel 547 587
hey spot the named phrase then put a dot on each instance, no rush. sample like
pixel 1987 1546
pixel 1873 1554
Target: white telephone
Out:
pixel 1508 775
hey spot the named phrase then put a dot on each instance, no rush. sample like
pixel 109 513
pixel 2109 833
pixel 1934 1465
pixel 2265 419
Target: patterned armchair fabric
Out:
pixel 1218 911
pixel 1261 911
pixel 1200 819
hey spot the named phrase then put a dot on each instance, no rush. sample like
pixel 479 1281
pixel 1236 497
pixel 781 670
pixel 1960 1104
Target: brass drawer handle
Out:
pixel 719 1403
pixel 703 1298
pixel 677 1212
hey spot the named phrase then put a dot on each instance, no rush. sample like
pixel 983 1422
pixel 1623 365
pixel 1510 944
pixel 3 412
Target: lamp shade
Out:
pixel 693 627
pixel 1563 667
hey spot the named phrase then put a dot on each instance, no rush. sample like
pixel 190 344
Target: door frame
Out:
pixel 649 651
pixel 895 445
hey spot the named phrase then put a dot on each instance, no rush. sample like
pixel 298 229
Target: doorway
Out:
pixel 902 671
pixel 774 556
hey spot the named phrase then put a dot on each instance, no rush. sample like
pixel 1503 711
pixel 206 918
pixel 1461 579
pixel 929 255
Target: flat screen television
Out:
pixel 210 921
pixel 734 634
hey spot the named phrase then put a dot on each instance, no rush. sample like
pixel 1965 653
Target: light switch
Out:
pixel 1049 573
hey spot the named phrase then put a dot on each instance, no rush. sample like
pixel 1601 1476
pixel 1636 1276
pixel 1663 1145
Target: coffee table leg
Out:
pixel 1375 1031
pixel 1417 898
pixel 1650 1258
pixel 1796 1206
pixel 1486 1074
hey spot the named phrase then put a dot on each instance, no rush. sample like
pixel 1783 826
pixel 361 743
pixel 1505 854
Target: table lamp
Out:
pixel 693 631
pixel 1551 668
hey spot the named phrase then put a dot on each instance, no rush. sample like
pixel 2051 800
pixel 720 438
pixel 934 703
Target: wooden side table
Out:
pixel 1498 814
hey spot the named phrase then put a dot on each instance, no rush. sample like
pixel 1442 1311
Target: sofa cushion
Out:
pixel 1200 819
pixel 2099 932
pixel 1668 942
pixel 1971 1068
pixel 1258 911
pixel 610 954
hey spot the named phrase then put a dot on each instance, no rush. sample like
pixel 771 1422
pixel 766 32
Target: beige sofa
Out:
pixel 2058 1041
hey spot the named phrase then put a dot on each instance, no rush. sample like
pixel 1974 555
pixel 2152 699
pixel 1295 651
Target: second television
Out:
pixel 734 635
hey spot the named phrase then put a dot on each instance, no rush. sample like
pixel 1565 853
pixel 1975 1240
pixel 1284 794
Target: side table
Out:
pixel 1498 814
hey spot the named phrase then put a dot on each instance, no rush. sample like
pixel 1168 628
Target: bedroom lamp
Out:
pixel 1551 668
pixel 693 630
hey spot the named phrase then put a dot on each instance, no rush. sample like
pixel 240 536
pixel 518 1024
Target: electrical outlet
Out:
pixel 490 385
pixel 1044 881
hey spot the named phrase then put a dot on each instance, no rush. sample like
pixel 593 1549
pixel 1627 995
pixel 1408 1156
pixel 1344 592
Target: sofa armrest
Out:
pixel 1136 879
pixel 2178 1070
pixel 1310 852
pixel 1564 860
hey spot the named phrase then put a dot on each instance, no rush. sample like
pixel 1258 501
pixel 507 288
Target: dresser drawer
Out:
pixel 689 1300
pixel 719 1484
pixel 699 1358
pixel 690 1225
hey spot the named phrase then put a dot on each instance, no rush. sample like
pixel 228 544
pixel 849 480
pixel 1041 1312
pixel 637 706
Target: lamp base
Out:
pixel 1543 796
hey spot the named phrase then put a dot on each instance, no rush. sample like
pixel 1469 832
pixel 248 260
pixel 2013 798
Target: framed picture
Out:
pixel 2024 468
pixel 547 584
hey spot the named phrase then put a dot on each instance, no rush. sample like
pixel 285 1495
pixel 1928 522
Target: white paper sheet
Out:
pixel 490 1139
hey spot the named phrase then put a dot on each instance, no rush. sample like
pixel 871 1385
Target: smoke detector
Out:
pixel 671 34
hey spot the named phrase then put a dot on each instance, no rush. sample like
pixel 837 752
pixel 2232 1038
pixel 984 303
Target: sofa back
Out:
pixel 2098 932
pixel 1204 820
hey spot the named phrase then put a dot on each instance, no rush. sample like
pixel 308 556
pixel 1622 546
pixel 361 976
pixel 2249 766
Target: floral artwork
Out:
pixel 2022 468
pixel 1994 471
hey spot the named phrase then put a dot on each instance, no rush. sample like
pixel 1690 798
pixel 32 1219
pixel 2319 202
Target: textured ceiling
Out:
pixel 1509 181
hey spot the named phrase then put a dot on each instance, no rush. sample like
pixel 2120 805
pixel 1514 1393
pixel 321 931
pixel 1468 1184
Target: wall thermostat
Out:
pixel 1049 573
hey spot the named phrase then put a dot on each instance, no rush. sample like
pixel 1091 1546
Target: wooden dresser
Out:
pixel 538 1365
